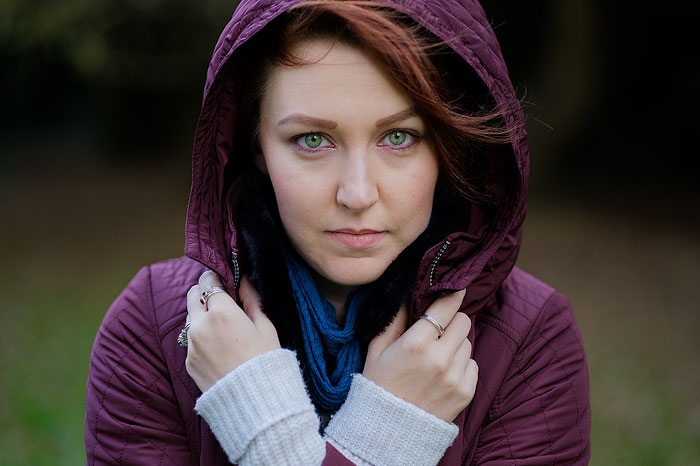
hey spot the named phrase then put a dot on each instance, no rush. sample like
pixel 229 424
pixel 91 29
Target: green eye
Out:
pixel 397 137
pixel 313 140
pixel 309 142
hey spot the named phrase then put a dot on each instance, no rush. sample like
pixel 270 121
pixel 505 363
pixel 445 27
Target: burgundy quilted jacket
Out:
pixel 531 405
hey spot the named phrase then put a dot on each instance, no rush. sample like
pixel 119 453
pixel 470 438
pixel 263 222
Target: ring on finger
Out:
pixel 435 323
pixel 209 292
pixel 182 336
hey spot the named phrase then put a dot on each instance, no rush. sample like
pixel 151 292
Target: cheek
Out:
pixel 286 194
pixel 298 200
pixel 415 197
pixel 421 206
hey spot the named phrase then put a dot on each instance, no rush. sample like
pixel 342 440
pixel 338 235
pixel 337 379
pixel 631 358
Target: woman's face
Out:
pixel 349 160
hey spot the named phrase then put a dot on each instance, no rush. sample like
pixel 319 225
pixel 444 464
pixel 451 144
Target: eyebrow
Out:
pixel 300 118
pixel 396 117
pixel 330 124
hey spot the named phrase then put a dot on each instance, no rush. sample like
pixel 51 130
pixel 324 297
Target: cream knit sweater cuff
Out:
pixel 261 414
pixel 374 427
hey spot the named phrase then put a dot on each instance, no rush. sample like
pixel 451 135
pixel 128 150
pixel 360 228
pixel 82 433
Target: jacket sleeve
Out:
pixel 132 416
pixel 540 414
pixel 261 414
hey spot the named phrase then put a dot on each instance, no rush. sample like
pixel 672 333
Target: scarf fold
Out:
pixel 333 352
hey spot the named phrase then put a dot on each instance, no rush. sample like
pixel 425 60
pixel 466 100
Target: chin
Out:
pixel 355 273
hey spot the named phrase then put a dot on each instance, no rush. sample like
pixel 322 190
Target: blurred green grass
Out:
pixel 75 233
pixel 632 281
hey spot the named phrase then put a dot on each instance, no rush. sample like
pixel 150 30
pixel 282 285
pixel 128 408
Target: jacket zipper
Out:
pixel 437 258
pixel 236 270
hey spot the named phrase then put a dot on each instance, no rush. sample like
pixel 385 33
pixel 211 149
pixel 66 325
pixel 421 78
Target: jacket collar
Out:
pixel 478 258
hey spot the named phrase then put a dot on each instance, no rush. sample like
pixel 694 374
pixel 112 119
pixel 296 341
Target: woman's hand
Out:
pixel 222 336
pixel 435 373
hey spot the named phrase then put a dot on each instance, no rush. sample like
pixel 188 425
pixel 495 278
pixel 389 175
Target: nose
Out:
pixel 357 189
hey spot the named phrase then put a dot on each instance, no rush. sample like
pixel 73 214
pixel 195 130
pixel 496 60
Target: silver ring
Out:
pixel 182 337
pixel 209 292
pixel 437 325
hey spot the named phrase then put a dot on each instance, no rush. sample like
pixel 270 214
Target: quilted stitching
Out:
pixel 140 398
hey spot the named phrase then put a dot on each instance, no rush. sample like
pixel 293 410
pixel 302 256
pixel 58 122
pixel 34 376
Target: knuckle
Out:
pixel 467 391
pixel 470 380
pixel 440 366
pixel 193 334
pixel 219 301
pixel 452 383
pixel 474 369
pixel 415 347
pixel 193 292
pixel 462 318
pixel 467 346
pixel 206 276
pixel 462 321
pixel 472 387
pixel 216 317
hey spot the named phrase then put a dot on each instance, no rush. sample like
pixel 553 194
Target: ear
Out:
pixel 259 159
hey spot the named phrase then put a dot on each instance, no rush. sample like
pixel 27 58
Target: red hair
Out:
pixel 462 119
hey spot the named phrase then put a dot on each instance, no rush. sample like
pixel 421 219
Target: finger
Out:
pixel 391 333
pixel 442 310
pixel 216 300
pixel 250 299
pixel 457 332
pixel 468 349
pixel 472 369
pixel 209 277
pixel 472 375
pixel 194 307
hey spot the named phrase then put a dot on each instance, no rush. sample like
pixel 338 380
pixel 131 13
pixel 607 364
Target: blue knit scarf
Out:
pixel 328 346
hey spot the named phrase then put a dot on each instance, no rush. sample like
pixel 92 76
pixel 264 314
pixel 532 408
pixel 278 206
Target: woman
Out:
pixel 359 184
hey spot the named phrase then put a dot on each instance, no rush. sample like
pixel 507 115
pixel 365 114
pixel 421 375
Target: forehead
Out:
pixel 332 75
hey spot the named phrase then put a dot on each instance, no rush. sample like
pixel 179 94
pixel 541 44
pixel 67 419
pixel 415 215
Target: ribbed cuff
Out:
pixel 375 427
pixel 260 411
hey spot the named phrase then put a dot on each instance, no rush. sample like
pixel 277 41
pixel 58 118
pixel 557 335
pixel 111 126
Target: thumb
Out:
pixel 390 334
pixel 252 306
pixel 250 299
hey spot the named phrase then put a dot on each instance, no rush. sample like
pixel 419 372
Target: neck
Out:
pixel 335 293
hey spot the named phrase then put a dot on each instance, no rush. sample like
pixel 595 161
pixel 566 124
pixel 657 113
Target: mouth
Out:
pixel 356 239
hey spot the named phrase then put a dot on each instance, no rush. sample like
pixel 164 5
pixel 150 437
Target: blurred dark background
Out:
pixel 98 102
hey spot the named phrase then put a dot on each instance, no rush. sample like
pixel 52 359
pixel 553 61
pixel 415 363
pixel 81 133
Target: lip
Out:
pixel 356 239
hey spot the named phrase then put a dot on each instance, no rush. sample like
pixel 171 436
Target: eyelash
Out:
pixel 415 139
pixel 295 141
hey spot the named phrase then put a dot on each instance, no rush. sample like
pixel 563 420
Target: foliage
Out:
pixel 150 43
pixel 116 74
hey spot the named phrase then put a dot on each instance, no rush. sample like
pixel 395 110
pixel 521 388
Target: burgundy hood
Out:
pixel 478 259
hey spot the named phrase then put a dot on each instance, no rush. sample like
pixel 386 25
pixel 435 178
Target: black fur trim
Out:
pixel 397 284
pixel 262 244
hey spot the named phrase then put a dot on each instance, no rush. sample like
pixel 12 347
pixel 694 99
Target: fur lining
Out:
pixel 262 245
